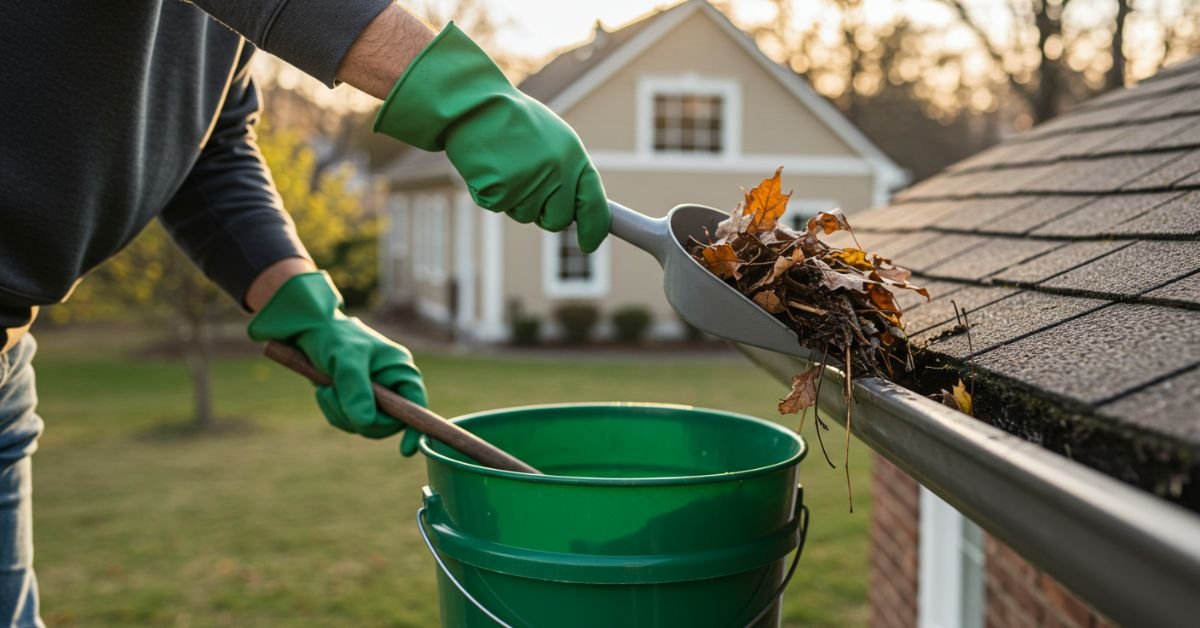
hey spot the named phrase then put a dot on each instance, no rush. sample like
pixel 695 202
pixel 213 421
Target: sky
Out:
pixel 538 27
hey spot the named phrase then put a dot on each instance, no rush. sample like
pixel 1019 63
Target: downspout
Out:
pixel 1130 555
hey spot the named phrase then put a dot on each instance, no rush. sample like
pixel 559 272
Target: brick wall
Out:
pixel 1017 595
pixel 895 547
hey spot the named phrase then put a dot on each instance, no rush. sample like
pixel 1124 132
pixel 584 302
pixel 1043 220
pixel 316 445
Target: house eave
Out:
pixel 1131 555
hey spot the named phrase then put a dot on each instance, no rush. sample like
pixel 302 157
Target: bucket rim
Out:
pixel 792 460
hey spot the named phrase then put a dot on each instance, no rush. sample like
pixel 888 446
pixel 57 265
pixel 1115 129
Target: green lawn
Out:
pixel 290 522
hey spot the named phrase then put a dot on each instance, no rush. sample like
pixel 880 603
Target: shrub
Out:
pixel 526 330
pixel 577 321
pixel 631 323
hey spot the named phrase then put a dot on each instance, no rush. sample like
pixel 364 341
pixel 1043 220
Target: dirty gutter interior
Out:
pixel 1131 555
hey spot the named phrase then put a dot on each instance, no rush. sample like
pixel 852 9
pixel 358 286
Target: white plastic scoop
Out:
pixel 700 298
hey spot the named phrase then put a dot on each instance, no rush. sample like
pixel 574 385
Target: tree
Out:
pixel 153 279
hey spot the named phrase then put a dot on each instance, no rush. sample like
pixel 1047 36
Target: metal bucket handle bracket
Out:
pixel 802 514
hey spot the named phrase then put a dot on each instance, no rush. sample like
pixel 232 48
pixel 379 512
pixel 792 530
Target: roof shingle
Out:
pixel 1076 251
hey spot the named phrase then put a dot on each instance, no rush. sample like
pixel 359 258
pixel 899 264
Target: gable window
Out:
pixel 689 116
pixel 568 272
pixel 688 123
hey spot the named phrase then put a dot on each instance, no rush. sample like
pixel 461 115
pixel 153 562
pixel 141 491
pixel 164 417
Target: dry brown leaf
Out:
pixel 828 222
pixel 769 301
pixel 803 394
pixel 722 261
pixel 735 224
pixel 766 204
pixel 833 280
pixel 882 297
pixel 781 266
pixel 854 258
pixel 894 273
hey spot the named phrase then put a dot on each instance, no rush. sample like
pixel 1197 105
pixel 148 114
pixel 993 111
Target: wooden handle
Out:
pixel 408 413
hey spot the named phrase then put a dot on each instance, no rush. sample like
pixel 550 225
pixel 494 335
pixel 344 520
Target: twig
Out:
pixel 846 461
pixel 808 308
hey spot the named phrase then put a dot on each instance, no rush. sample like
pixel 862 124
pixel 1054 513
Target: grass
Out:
pixel 286 521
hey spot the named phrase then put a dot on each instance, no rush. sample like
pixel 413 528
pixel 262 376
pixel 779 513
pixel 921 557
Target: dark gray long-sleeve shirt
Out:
pixel 117 112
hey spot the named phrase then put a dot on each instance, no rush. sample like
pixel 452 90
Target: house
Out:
pixel 679 107
pixel 1075 250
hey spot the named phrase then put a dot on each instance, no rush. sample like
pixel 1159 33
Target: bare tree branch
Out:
pixel 997 55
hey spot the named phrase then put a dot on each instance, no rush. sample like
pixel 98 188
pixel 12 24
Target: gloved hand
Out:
pixel 516 155
pixel 306 312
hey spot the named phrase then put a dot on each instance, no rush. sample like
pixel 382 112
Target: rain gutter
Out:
pixel 1132 556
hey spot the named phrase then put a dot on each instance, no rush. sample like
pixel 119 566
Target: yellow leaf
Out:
pixel 962 397
pixel 722 261
pixel 765 204
pixel 854 258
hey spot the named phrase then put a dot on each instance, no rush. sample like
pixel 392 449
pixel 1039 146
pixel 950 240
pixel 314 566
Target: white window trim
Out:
pixel 941 588
pixel 556 288
pixel 690 83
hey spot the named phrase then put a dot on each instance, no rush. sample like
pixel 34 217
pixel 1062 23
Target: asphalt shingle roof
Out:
pixel 1075 249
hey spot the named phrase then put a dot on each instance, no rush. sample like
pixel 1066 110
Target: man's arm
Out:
pixel 227 215
pixel 366 43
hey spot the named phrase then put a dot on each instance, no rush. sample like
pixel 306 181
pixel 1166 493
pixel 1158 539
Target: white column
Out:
pixel 491 232
pixel 465 212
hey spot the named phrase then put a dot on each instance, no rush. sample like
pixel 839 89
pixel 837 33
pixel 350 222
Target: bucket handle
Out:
pixel 801 533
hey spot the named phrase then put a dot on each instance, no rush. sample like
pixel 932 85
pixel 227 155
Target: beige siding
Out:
pixel 775 122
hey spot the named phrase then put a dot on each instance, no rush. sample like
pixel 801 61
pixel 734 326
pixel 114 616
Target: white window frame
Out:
pixel 555 287
pixel 429 243
pixel 393 244
pixel 690 84
pixel 945 556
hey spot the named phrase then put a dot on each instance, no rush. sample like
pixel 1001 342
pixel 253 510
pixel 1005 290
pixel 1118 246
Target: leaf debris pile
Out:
pixel 840 302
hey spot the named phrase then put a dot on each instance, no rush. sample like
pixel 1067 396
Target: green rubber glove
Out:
pixel 516 155
pixel 306 312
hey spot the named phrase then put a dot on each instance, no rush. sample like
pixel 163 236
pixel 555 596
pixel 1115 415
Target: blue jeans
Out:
pixel 20 427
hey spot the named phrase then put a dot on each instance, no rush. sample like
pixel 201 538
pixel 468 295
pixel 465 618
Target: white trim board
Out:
pixel 944 600
pixel 817 165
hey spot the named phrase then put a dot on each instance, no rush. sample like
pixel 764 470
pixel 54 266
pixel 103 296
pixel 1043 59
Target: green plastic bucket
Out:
pixel 648 515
